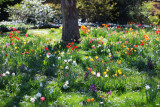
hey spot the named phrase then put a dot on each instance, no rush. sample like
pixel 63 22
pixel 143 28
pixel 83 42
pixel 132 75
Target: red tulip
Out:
pixel 72 43
pixel 46 49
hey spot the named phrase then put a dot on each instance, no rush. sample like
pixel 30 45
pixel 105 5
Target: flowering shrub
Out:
pixel 31 11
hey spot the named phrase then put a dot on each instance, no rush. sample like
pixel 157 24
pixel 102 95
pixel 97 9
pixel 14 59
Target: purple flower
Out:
pixel 86 74
pixel 109 93
pixel 23 65
pixel 111 56
pixel 93 88
pixel 150 64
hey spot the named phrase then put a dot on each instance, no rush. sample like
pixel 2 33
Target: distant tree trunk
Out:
pixel 70 30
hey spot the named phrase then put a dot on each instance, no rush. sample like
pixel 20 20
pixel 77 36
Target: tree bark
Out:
pixel 70 30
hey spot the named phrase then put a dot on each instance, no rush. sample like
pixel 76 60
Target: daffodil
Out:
pixel 120 72
pixel 107 70
pixel 96 57
pixel 86 57
pixel 61 67
pixel 91 59
pixel 119 61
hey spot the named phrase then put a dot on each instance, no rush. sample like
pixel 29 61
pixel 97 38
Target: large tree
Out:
pixel 70 30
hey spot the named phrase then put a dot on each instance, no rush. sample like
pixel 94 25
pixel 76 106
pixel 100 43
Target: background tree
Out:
pixel 70 30
pixel 96 10
pixel 3 4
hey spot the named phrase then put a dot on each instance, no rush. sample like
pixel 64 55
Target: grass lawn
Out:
pixel 110 67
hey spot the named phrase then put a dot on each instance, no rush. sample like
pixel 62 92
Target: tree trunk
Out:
pixel 70 30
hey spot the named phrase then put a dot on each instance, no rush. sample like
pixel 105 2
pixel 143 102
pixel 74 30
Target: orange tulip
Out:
pixel 88 100
pixel 92 99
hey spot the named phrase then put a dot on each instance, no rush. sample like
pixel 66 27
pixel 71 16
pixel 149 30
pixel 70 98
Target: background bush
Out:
pixel 29 11
pixel 96 10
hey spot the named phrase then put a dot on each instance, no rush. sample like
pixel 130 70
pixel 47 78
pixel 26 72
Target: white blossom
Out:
pixel 106 75
pixel 59 58
pixel 13 74
pixel 65 60
pixel 66 67
pixel 41 85
pixel 65 86
pixel 53 65
pixel 7 72
pixel 70 60
pixel 4 74
pixel 32 100
pixel 98 74
pixel 147 87
pixel 38 94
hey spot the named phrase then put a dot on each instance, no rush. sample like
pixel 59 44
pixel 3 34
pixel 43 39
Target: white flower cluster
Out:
pixel 65 85
pixel 7 73
pixel 33 11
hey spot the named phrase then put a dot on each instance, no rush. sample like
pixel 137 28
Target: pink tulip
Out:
pixel 26 35
pixel 42 98
pixel 18 31
pixel 90 69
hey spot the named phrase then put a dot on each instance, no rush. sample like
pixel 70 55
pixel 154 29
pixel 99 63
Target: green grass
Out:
pixel 42 64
